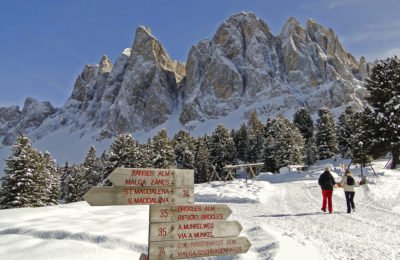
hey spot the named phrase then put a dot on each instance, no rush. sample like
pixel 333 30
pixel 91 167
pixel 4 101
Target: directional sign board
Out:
pixel 194 212
pixel 128 195
pixel 151 177
pixel 198 248
pixel 184 230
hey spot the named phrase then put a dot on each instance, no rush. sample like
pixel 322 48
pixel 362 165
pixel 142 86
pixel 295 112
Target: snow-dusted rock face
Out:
pixel 245 65
pixel 136 93
pixel 243 68
pixel 14 122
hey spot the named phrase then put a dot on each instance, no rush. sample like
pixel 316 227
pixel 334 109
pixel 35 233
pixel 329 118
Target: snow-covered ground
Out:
pixel 280 215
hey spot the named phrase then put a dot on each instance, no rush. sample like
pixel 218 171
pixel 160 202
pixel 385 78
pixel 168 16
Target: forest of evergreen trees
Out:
pixel 33 179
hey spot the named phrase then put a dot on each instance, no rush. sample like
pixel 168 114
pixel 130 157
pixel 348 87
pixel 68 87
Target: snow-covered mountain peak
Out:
pixel 292 26
pixel 241 69
pixel 105 65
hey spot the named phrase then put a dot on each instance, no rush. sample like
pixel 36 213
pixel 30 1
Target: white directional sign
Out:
pixel 127 195
pixel 184 230
pixel 185 212
pixel 198 248
pixel 151 177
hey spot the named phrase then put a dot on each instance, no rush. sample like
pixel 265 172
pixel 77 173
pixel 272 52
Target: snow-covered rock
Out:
pixel 14 122
pixel 245 65
pixel 243 68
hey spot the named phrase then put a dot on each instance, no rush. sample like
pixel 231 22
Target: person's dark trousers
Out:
pixel 350 200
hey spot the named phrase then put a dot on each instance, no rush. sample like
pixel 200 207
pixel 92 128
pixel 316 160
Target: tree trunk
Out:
pixel 395 157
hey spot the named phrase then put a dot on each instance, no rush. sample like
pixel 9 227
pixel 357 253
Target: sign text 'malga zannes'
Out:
pixel 151 177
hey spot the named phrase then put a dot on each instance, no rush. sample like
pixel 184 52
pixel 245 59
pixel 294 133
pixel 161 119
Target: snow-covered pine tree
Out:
pixel 22 185
pixel 256 145
pixel 65 171
pixel 123 153
pixel 162 151
pixel 285 144
pixel 91 175
pixel 242 143
pixel 202 163
pixel 256 138
pixel 101 165
pixel 145 154
pixel 311 151
pixel 384 88
pixel 222 149
pixel 53 182
pixel 326 134
pixel 361 139
pixel 303 121
pixel 345 128
pixel 183 145
pixel 73 181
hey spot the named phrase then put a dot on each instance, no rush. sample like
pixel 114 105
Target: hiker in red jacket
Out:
pixel 327 182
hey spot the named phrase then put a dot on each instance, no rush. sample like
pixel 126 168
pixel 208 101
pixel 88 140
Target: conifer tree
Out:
pixel 145 154
pixel 73 181
pixel 284 145
pixel 256 139
pixel 162 151
pixel 65 171
pixel 222 148
pixel 345 128
pixel 91 174
pixel 53 183
pixel 23 184
pixel 326 134
pixel 242 144
pixel 384 88
pixel 256 145
pixel 361 145
pixel 254 123
pixel 183 145
pixel 311 151
pixel 202 164
pixel 303 121
pixel 123 153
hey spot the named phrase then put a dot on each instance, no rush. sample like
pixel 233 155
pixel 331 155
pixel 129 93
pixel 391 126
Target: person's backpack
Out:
pixel 350 180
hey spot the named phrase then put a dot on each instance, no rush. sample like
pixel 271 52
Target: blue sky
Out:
pixel 44 44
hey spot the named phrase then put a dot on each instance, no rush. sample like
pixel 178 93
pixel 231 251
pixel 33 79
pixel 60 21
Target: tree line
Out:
pixel 33 179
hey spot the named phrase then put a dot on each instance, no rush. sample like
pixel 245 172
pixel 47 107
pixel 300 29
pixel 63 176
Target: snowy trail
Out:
pixel 293 212
pixel 280 215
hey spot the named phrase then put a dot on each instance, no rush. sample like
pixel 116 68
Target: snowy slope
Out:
pixel 279 213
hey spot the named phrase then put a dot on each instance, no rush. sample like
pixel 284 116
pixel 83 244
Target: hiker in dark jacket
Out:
pixel 327 182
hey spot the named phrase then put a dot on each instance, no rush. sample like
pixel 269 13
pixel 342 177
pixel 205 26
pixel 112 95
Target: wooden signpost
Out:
pixel 195 212
pixel 136 195
pixel 198 248
pixel 184 230
pixel 151 177
pixel 177 227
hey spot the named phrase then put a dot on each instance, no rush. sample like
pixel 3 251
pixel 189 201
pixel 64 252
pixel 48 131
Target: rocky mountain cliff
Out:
pixel 245 65
pixel 243 68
